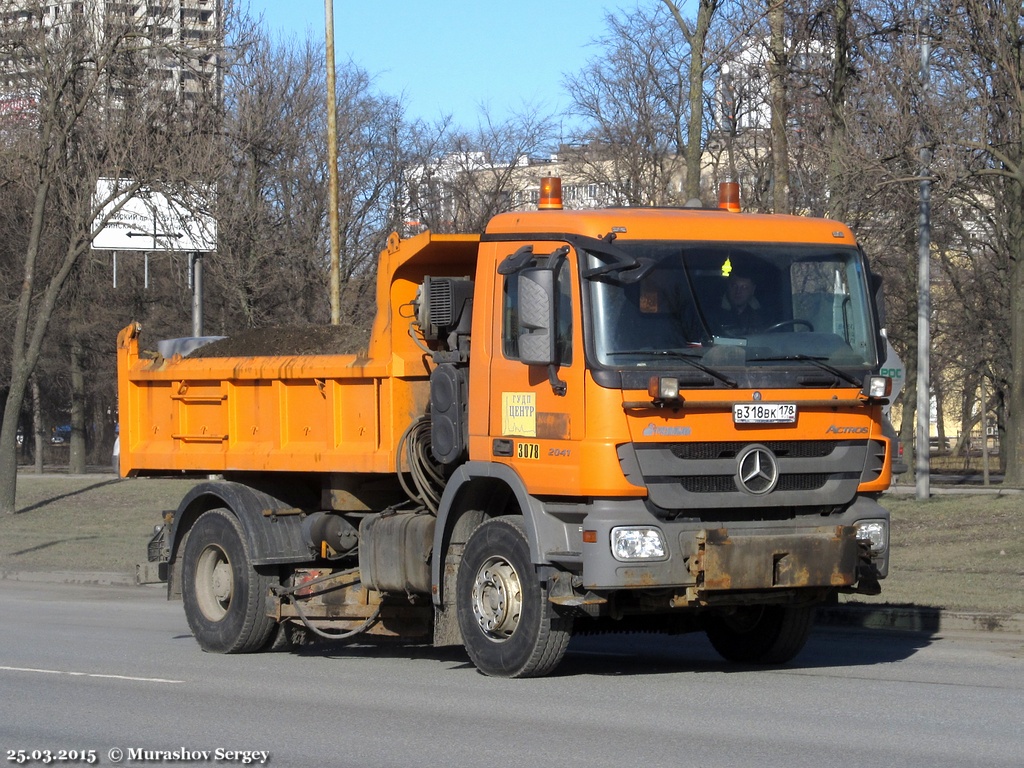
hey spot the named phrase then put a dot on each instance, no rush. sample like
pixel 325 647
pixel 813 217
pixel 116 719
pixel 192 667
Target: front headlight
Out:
pixel 875 533
pixel 631 544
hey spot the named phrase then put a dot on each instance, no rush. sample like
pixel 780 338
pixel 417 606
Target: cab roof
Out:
pixel 696 224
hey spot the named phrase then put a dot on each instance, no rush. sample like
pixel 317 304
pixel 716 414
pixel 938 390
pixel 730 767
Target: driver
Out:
pixel 739 312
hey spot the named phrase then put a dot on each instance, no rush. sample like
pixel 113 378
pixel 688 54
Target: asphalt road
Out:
pixel 115 668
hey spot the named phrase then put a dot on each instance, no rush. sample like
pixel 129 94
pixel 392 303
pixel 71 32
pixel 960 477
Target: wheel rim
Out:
pixel 214 583
pixel 497 599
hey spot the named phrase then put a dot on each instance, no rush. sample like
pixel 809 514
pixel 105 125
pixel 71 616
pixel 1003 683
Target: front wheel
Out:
pixel 224 595
pixel 772 634
pixel 509 627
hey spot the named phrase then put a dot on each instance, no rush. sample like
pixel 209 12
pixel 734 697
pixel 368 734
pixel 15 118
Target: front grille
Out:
pixel 726 483
pixel 708 484
pixel 702 475
pixel 783 449
pixel 810 482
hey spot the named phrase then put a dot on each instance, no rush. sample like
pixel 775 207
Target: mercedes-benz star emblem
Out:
pixel 757 470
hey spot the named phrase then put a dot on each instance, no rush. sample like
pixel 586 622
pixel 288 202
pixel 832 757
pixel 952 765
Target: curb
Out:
pixel 898 618
pixel 954 490
pixel 78 578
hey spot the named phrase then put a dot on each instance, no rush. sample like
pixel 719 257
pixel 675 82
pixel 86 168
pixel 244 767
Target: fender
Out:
pixel 273 530
pixel 545 533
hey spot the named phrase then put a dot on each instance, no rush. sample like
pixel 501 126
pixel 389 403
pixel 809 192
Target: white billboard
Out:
pixel 152 221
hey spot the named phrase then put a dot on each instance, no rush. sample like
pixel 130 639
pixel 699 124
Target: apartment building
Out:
pixel 177 50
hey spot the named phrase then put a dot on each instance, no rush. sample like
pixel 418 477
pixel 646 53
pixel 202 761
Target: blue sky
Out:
pixel 452 55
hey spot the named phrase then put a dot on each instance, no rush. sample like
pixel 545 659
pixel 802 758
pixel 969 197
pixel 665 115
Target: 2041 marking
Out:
pixel 532 451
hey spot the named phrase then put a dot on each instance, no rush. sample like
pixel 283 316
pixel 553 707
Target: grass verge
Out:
pixel 960 552
pixel 84 522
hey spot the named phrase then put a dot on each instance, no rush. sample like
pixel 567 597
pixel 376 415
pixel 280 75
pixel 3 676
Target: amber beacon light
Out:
pixel 729 196
pixel 550 194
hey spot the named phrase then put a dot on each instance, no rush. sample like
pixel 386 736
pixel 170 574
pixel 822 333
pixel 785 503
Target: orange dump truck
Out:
pixel 579 421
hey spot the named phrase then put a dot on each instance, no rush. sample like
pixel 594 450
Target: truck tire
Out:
pixel 509 627
pixel 772 634
pixel 224 595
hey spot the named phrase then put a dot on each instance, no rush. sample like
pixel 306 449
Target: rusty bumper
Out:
pixel 702 561
pixel 825 557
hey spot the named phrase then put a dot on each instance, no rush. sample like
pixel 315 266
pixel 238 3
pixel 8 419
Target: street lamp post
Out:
pixel 924 410
pixel 332 161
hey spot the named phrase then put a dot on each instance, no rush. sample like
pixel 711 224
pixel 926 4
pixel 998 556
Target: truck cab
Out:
pixel 676 463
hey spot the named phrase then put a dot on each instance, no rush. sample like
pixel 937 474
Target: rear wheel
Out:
pixel 224 595
pixel 772 634
pixel 509 627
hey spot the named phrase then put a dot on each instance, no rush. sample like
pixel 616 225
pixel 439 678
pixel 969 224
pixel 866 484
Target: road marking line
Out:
pixel 91 674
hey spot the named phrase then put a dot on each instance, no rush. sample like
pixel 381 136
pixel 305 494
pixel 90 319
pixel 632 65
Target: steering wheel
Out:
pixel 789 324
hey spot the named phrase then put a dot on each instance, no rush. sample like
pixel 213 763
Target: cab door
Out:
pixel 533 427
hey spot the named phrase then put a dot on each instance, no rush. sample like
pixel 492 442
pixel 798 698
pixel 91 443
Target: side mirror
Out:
pixel 538 319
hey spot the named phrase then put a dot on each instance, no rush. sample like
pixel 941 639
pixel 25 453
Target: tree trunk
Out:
pixel 26 347
pixel 777 70
pixel 1012 448
pixel 37 424
pixel 20 367
pixel 837 110
pixel 1001 430
pixel 76 457
pixel 908 422
pixel 968 398
pixel 9 443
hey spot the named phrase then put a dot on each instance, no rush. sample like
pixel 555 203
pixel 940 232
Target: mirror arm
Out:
pixel 558 386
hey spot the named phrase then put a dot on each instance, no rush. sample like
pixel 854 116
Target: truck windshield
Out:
pixel 731 306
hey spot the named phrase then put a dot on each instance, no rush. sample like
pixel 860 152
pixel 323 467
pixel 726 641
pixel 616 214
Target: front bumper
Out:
pixel 705 558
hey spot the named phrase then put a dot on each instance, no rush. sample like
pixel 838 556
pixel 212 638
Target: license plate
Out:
pixel 764 413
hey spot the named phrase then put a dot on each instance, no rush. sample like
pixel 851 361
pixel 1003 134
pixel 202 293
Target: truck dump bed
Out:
pixel 289 412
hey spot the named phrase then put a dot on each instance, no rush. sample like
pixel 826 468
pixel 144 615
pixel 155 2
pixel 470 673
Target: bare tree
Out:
pixel 634 108
pixel 742 42
pixel 271 268
pixel 371 159
pixel 696 35
pixel 457 179
pixel 95 114
pixel 270 260
pixel 980 69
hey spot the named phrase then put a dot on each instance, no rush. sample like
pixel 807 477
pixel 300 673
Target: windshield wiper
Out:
pixel 813 361
pixel 676 355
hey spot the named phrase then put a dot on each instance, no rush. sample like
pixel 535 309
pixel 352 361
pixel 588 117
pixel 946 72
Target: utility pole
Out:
pixel 332 162
pixel 924 409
